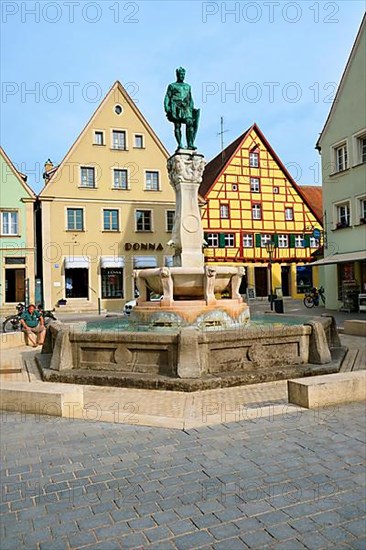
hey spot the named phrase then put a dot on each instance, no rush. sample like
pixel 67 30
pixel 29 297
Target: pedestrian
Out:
pixel 33 326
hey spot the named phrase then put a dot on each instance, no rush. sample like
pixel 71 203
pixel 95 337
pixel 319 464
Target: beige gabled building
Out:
pixel 107 209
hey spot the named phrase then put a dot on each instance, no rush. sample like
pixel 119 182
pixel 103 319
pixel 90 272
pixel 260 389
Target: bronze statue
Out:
pixel 179 109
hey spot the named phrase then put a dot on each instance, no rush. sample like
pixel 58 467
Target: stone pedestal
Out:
pixel 185 169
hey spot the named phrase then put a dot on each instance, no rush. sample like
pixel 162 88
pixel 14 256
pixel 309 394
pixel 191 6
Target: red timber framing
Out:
pixel 227 180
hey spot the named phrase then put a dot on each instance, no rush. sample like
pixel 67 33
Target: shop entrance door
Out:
pixel 14 285
pixel 77 283
pixel 285 280
pixel 261 281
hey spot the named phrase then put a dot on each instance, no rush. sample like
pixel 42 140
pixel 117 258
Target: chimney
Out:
pixel 48 165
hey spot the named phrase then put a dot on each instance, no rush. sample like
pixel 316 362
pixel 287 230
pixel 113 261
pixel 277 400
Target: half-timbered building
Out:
pixel 251 199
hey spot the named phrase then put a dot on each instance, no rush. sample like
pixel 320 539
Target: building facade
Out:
pixel 17 245
pixel 250 199
pixel 342 145
pixel 107 209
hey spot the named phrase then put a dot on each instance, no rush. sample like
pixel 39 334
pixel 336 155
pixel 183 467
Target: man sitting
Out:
pixel 33 326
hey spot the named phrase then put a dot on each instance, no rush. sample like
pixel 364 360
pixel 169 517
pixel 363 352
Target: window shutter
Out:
pixel 292 241
pixel 257 240
pixel 205 236
pixel 221 240
pixel 306 241
pixel 275 239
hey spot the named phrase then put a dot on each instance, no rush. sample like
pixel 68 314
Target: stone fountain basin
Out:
pixel 188 281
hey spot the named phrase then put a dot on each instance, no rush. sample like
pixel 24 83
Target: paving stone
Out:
pixel 81 539
pixel 157 534
pixel 356 527
pixel 232 544
pixel 141 523
pixel 193 540
pixel 224 531
pixel 182 526
pixel 257 539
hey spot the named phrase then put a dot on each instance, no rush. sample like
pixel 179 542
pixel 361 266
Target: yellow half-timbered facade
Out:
pixel 251 199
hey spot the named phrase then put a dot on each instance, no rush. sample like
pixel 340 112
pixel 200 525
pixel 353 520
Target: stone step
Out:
pixel 348 362
pixel 42 398
pixel 329 389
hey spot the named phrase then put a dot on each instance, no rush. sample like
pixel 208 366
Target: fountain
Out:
pixel 193 338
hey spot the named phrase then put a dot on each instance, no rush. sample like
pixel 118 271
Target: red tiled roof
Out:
pixel 313 195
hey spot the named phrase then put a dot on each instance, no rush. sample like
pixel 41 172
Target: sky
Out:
pixel 275 63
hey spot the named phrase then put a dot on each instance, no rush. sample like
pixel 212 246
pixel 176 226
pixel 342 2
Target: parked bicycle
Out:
pixel 13 324
pixel 313 297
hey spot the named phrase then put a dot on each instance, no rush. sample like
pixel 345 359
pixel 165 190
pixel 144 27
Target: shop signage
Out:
pixel 143 246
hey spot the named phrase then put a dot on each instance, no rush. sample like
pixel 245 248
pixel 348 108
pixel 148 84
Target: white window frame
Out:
pixel 252 155
pixel 213 240
pixel 114 129
pixel 9 211
pixel 265 239
pixel 299 241
pixel 229 240
pixel 134 140
pixel 334 156
pixel 159 179
pixel 289 210
pixel 166 220
pixel 128 178
pixel 96 131
pixel 73 207
pixel 356 142
pixel 88 167
pixel 118 210
pixel 256 208
pixel 361 208
pixel 151 230
pixel 314 243
pixel 283 241
pixel 224 211
pixel 255 185
pixel 248 240
pixel 337 217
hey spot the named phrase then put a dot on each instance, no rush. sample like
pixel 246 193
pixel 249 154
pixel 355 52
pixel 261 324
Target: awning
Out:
pixel 77 262
pixel 142 262
pixel 342 258
pixel 112 261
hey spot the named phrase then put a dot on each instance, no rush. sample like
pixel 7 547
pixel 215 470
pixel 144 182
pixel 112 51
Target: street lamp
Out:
pixel 270 248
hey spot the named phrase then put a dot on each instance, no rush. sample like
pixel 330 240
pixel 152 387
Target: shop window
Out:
pixel 304 278
pixel 112 283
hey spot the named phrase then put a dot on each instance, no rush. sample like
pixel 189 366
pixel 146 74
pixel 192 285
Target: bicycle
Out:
pixel 13 324
pixel 313 297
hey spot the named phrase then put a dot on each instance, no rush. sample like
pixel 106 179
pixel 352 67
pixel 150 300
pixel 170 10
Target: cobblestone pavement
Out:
pixel 289 481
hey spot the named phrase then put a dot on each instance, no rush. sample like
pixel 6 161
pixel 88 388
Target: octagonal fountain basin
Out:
pixel 188 358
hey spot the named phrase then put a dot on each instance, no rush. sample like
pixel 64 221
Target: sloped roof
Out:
pixel 216 166
pixel 21 177
pixel 135 109
pixel 343 78
pixel 219 163
pixel 313 194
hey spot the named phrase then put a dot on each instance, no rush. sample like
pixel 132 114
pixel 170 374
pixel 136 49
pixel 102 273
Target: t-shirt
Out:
pixel 32 320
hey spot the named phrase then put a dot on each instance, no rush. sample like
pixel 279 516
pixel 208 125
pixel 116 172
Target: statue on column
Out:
pixel 179 109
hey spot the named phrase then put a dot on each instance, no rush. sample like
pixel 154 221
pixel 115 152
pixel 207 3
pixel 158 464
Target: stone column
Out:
pixel 185 169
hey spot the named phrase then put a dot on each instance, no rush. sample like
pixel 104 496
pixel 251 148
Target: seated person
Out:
pixel 33 326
